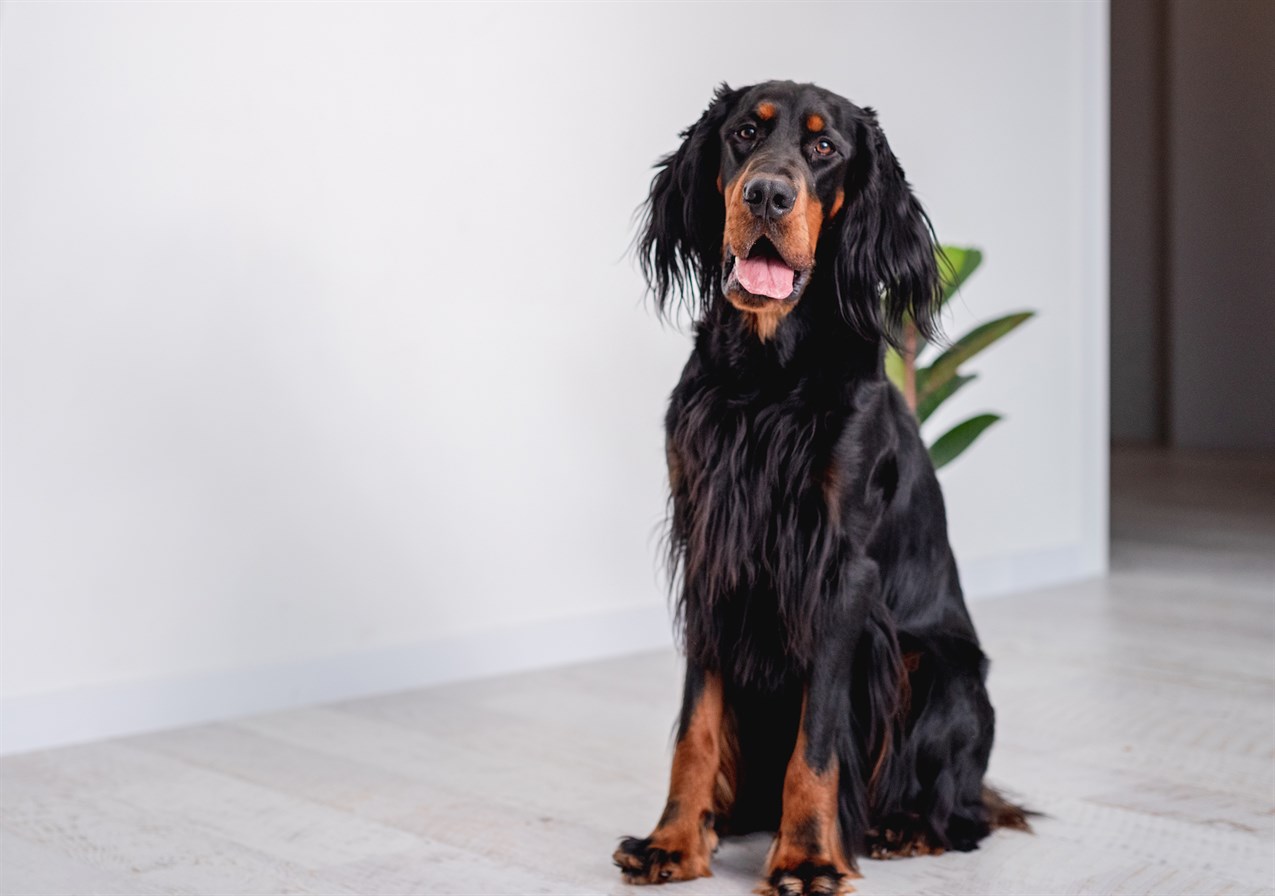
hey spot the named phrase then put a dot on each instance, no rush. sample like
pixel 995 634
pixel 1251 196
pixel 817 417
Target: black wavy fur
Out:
pixel 808 531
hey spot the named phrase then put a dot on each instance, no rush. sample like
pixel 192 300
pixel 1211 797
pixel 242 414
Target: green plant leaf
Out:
pixel 949 446
pixel 934 377
pixel 956 263
pixel 928 405
pixel 894 368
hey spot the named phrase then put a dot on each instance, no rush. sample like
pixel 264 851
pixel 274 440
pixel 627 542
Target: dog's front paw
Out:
pixel 661 858
pixel 806 879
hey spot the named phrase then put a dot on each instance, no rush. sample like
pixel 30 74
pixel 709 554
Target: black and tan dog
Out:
pixel 834 682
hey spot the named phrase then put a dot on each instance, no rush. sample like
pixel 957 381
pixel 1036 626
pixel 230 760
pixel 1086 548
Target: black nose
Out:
pixel 769 197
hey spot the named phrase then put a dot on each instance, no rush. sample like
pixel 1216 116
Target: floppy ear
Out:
pixel 680 239
pixel 885 268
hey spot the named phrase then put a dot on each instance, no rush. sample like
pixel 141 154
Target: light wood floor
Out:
pixel 1138 712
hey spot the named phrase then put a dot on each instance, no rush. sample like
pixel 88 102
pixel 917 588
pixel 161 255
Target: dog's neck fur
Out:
pixel 799 346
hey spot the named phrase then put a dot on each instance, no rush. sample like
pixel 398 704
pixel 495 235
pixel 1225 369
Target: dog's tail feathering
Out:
pixel 1001 813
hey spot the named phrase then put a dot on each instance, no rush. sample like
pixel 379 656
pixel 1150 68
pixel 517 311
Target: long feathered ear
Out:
pixel 679 245
pixel 885 268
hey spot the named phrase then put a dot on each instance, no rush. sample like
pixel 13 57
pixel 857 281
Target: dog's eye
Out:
pixel 824 146
pixel 747 132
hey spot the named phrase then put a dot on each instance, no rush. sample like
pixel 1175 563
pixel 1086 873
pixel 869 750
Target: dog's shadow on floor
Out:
pixel 743 857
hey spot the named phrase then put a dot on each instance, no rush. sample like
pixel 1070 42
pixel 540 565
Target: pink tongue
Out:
pixel 764 277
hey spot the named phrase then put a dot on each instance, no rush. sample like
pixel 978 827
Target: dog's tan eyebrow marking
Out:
pixel 765 111
pixel 814 122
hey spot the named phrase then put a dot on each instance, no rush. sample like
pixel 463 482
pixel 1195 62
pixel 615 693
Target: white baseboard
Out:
pixel 56 719
pixel 41 721
pixel 1030 570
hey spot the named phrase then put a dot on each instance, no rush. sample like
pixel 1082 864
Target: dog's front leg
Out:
pixel 809 855
pixel 682 844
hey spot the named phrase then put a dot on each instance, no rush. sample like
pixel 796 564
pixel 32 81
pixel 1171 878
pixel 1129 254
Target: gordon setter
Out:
pixel 834 682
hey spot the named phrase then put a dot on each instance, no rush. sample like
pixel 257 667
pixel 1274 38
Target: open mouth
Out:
pixel 763 272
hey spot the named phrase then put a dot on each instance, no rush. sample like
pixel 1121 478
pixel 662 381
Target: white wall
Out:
pixel 324 371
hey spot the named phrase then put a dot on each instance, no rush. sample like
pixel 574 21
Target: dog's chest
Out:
pixel 749 479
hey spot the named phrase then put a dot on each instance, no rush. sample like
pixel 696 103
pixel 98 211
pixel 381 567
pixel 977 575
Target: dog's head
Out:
pixel 778 186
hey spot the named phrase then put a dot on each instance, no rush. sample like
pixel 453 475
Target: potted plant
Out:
pixel 926 388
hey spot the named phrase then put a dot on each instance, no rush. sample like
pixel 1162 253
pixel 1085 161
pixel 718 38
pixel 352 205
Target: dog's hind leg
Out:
pixel 931 797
